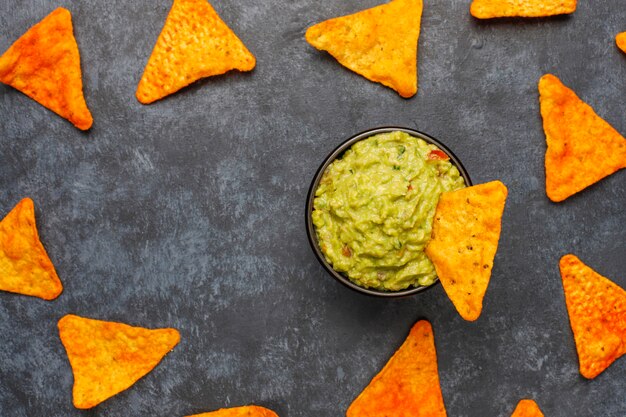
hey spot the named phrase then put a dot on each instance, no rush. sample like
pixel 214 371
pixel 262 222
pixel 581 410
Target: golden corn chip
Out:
pixel 527 408
pixel 108 357
pixel 597 315
pixel 194 43
pixel 487 9
pixel 44 64
pixel 582 147
pixel 245 411
pixel 378 43
pixel 24 264
pixel 465 235
pixel 620 39
pixel 408 385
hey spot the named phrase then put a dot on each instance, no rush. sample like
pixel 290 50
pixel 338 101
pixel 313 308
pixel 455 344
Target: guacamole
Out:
pixel 374 207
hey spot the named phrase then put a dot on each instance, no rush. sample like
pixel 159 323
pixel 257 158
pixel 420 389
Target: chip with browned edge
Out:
pixel 108 357
pixel 194 43
pixel 597 315
pixel 245 411
pixel 620 40
pixel 408 385
pixel 465 235
pixel 582 147
pixel 25 267
pixel 44 64
pixel 379 43
pixel 527 408
pixel 487 9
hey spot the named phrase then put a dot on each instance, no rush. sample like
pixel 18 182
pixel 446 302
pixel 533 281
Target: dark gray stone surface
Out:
pixel 189 213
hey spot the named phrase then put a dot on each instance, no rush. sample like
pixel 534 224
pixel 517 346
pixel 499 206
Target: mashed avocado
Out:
pixel 374 207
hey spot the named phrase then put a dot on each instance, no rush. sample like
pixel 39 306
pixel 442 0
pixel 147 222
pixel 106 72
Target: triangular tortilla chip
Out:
pixel 108 357
pixel 597 315
pixel 487 9
pixel 379 43
pixel 24 264
pixel 408 385
pixel 620 39
pixel 194 43
pixel 245 411
pixel 44 64
pixel 582 147
pixel 465 235
pixel 527 408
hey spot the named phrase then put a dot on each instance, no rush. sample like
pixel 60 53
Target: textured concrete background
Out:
pixel 189 213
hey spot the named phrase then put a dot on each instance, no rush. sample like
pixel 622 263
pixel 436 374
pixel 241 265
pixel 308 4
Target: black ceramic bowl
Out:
pixel 337 153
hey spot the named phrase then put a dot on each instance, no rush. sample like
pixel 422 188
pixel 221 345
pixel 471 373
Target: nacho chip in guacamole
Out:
pixel 465 235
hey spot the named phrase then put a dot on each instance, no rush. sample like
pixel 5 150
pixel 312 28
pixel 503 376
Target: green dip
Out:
pixel 374 207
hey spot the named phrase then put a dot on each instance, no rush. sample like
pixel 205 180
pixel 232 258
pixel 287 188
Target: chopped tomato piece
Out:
pixel 345 251
pixel 438 155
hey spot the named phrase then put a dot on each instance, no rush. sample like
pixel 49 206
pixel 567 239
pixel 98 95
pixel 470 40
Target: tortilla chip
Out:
pixel 487 9
pixel 246 411
pixel 597 315
pixel 194 43
pixel 108 357
pixel 44 64
pixel 25 267
pixel 582 147
pixel 379 43
pixel 527 408
pixel 620 39
pixel 408 385
pixel 466 230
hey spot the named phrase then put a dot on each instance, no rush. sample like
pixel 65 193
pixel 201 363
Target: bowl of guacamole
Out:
pixel 370 209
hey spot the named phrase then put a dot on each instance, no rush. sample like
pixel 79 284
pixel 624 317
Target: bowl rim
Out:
pixel 332 156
